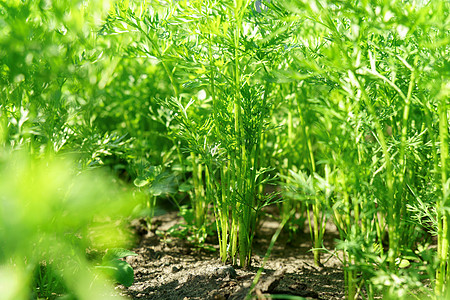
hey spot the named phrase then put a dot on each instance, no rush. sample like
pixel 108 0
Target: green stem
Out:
pixel 198 201
pixel 403 160
pixel 269 250
pixel 443 272
pixel 316 207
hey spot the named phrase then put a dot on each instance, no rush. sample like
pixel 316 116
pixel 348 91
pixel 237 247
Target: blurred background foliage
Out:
pixel 70 102
pixel 68 88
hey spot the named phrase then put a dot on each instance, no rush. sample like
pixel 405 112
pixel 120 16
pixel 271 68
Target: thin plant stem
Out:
pixel 443 272
pixel 268 252
pixel 316 206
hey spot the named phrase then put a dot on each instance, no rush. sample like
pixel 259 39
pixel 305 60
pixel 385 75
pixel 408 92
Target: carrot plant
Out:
pixel 351 79
pixel 376 133
pixel 240 104
pixel 220 51
pixel 347 101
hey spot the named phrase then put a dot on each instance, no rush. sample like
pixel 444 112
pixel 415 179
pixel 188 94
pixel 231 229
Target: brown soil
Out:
pixel 177 270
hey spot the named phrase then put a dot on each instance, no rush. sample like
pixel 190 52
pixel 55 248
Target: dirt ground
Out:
pixel 177 270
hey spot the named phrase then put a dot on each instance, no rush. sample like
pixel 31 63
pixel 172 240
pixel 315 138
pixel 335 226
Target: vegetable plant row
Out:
pixel 343 106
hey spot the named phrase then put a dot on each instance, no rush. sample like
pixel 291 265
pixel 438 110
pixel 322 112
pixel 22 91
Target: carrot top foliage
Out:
pixel 344 105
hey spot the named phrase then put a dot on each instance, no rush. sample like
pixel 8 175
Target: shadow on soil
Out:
pixel 176 270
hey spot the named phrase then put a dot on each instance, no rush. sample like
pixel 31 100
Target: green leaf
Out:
pixel 404 263
pixel 117 253
pixel 164 183
pixel 185 187
pixel 119 270
pixel 140 182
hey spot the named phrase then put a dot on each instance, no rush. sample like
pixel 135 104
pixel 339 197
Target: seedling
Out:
pixel 117 269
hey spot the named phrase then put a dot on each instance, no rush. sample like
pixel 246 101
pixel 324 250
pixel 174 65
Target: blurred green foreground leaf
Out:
pixel 50 214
